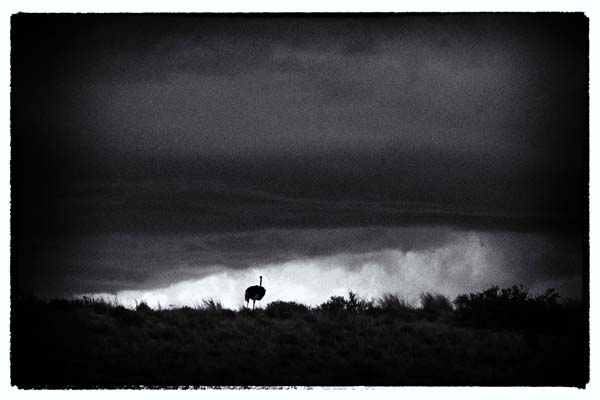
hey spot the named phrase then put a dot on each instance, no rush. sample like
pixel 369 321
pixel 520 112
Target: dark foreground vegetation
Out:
pixel 496 337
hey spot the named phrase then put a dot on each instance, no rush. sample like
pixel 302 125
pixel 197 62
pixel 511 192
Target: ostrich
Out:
pixel 255 293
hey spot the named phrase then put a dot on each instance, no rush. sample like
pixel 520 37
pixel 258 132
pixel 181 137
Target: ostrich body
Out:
pixel 254 293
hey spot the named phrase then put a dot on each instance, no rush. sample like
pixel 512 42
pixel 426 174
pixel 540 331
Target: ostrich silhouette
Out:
pixel 254 293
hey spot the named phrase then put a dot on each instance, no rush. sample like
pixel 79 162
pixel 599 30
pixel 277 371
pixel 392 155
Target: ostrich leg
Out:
pixel 253 303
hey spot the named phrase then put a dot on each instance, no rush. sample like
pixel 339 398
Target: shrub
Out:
pixel 357 305
pixel 354 304
pixel 142 306
pixel 512 307
pixel 335 304
pixel 285 309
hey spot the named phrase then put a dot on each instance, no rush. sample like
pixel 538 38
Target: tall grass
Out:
pixel 212 305
pixel 435 305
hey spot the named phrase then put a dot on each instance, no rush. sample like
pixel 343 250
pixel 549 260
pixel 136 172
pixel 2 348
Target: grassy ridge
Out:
pixel 345 341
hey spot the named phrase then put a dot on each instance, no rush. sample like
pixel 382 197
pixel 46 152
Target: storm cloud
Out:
pixel 154 149
pixel 319 263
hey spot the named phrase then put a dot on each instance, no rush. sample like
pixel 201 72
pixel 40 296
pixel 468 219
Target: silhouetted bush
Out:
pixel 512 307
pixel 142 306
pixel 354 304
pixel 285 309
pixel 335 304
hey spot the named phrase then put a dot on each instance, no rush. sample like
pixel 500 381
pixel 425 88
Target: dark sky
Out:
pixel 204 124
